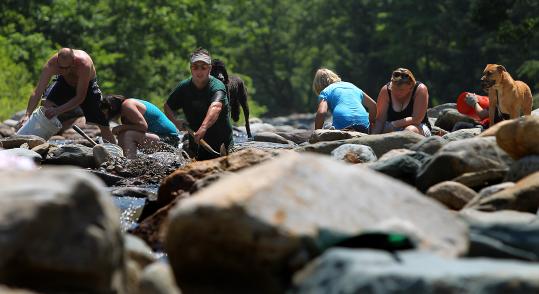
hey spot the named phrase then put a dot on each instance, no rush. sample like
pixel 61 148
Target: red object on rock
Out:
pixel 468 110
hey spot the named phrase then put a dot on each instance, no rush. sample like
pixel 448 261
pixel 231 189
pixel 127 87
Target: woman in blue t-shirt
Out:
pixel 143 124
pixel 346 102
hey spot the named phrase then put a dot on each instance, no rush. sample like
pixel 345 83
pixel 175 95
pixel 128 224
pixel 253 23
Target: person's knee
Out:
pixel 413 128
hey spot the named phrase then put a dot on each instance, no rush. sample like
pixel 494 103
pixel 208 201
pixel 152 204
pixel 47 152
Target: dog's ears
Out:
pixel 501 68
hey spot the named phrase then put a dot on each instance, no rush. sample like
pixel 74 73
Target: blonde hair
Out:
pixel 323 78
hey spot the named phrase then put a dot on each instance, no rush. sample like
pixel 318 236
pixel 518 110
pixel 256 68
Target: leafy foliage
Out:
pixel 141 47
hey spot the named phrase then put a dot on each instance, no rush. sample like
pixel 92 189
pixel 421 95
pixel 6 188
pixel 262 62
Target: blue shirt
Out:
pixel 157 121
pixel 345 103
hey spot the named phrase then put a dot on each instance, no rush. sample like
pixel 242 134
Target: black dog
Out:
pixel 237 92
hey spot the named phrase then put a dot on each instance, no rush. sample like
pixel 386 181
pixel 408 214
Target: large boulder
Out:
pixel 449 117
pixel 454 195
pixel 518 138
pixel 333 135
pixel 429 145
pixel 17 140
pixel 523 196
pixel 60 233
pixel 262 224
pixel 75 154
pixel 503 234
pixel 370 271
pixel 459 157
pixel 354 153
pixel 522 167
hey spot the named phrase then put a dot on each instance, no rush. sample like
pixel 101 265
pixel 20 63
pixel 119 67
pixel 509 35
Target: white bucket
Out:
pixel 39 125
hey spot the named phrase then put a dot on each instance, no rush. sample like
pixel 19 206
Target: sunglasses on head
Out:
pixel 402 75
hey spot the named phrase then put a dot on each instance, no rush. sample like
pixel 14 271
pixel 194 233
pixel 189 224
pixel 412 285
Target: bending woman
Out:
pixel 402 105
pixel 143 124
pixel 346 102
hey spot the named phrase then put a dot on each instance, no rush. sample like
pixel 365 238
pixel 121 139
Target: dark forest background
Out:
pixel 141 47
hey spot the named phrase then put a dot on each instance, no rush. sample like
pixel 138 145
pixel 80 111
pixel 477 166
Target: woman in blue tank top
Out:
pixel 143 124
pixel 346 102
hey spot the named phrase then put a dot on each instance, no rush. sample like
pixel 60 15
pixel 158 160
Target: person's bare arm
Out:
pixel 211 117
pixel 320 114
pixel 370 104
pixel 421 103
pixel 106 133
pixel 179 123
pixel 481 112
pixel 132 118
pixel 382 104
pixel 84 77
pixel 46 74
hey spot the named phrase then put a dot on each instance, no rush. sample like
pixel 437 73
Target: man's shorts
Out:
pixel 60 92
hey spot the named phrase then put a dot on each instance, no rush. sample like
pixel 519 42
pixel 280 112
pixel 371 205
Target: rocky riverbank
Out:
pixel 293 210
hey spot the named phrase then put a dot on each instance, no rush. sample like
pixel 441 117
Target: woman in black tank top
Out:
pixel 402 105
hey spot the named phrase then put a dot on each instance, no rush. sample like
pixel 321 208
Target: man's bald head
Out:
pixel 66 55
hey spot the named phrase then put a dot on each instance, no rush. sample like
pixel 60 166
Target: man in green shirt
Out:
pixel 204 102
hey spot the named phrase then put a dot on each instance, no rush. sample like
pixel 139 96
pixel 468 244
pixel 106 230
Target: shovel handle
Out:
pixel 82 133
pixel 203 143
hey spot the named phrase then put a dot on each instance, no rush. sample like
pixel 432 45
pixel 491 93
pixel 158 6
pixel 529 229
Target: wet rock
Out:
pixel 266 146
pixel 459 157
pixel 296 136
pixel 267 221
pixel 523 167
pixel 451 194
pixel 429 145
pixel 77 155
pixel 17 140
pixel 503 234
pixel 402 166
pixel 60 233
pixel 380 144
pixel 487 191
pixel 515 139
pixel 270 137
pixel 6 130
pixel 333 135
pixel 138 251
pixel 436 111
pixel 107 178
pixel 354 153
pixel 521 197
pixel 480 179
pixel 42 149
pixel 158 278
pixel 296 120
pixel 136 192
pixel 449 117
pixel 370 271
pixel 462 134
pixel 183 179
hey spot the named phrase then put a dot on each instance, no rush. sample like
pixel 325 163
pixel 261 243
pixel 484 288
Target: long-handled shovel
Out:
pixel 82 133
pixel 203 143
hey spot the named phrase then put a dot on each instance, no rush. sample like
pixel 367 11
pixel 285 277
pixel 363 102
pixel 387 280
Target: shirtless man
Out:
pixel 76 86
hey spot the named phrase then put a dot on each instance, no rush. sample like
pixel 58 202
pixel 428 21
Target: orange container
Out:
pixel 468 110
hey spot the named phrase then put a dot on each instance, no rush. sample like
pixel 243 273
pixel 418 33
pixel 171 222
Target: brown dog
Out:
pixel 506 96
